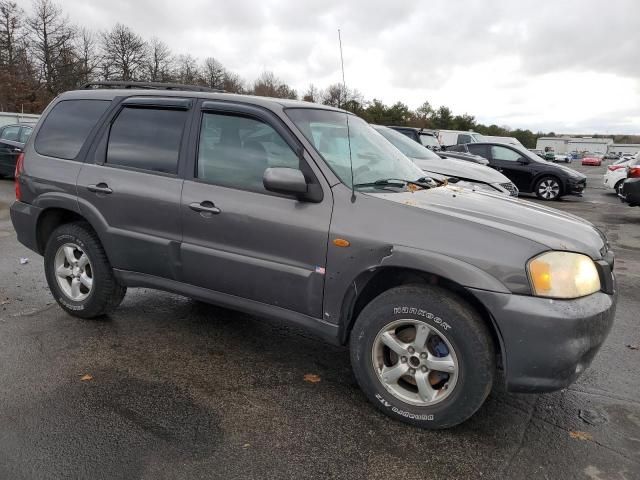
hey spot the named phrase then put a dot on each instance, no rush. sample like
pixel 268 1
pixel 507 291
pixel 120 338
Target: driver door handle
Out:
pixel 204 207
pixel 99 188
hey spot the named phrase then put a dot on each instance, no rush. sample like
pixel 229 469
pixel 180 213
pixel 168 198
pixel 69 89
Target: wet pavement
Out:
pixel 168 387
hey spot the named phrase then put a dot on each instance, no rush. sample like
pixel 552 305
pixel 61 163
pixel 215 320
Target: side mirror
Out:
pixel 288 181
pixel 523 161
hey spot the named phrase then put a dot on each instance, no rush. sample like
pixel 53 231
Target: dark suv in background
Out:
pixel 12 140
pixel 529 172
pixel 262 205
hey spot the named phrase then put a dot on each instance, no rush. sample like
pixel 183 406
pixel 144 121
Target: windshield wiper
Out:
pixel 422 182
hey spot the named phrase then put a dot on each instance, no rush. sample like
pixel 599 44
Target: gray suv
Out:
pixel 303 212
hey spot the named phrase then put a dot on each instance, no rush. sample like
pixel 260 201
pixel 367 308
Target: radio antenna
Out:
pixel 344 88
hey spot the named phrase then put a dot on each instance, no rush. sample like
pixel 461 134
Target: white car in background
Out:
pixel 562 158
pixel 616 174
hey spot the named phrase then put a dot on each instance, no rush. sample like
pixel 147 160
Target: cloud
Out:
pixel 564 63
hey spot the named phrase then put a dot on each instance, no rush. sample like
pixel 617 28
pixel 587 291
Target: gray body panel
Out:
pixel 274 255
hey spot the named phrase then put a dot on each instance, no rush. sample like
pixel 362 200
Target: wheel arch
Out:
pixel 51 218
pixel 553 175
pixel 372 283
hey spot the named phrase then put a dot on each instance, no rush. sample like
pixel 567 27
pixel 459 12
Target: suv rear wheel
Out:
pixel 78 272
pixel 422 355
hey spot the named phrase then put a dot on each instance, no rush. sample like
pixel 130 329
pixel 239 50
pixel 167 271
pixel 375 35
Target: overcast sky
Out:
pixel 564 65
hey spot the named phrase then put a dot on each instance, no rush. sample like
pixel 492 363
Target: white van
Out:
pixel 458 137
pixel 507 140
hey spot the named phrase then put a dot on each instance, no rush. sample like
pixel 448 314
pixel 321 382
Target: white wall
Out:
pixel 7 118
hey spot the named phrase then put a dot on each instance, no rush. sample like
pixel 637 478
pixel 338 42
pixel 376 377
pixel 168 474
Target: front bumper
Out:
pixel 576 187
pixel 631 191
pixel 547 343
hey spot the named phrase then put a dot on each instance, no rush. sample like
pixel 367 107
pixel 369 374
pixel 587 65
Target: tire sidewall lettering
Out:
pixel 418 312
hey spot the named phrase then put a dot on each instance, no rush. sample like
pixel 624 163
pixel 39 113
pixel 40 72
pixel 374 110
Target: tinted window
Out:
pixel 146 138
pixel 235 151
pixel 67 126
pixel 505 154
pixel 25 134
pixel 477 149
pixel 10 133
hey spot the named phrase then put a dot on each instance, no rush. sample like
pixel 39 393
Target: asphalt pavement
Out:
pixel 171 388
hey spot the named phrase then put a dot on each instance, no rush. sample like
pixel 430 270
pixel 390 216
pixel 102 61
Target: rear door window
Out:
pixel 478 150
pixel 147 139
pixel 67 127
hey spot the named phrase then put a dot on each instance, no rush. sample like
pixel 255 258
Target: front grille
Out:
pixel 511 188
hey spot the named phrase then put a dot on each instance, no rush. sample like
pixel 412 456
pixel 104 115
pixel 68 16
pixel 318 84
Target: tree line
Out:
pixel 43 54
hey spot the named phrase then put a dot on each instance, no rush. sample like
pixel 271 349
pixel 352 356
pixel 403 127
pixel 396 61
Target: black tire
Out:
pixel 555 195
pixel 106 293
pixel 465 331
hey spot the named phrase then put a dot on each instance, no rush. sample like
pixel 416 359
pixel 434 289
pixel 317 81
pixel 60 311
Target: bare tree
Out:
pixel 187 70
pixel 268 85
pixel 88 58
pixel 213 73
pixel 124 54
pixel 233 83
pixel 159 66
pixel 51 44
pixel 10 32
pixel 312 94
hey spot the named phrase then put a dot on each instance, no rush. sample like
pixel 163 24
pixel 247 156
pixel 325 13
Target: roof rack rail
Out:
pixel 147 86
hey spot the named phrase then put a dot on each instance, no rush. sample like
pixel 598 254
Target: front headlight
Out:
pixel 563 275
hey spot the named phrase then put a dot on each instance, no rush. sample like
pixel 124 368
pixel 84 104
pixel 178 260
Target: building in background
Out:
pixel 622 148
pixel 561 145
pixel 8 118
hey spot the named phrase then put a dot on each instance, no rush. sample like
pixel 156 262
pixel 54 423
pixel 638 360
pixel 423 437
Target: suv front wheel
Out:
pixel 78 272
pixel 423 356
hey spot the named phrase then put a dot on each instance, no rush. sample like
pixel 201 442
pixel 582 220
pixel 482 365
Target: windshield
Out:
pixel 429 140
pixel 407 146
pixel 374 158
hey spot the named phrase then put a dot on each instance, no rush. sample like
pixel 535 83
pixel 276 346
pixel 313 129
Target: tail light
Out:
pixel 17 174
pixel 634 172
pixel 613 168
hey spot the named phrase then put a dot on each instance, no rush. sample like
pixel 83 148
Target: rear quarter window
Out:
pixel 67 127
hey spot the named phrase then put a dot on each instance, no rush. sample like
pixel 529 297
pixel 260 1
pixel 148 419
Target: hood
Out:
pixel 568 170
pixel 462 170
pixel 549 227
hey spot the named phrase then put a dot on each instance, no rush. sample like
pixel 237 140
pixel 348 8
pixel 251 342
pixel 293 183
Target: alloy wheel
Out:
pixel 548 189
pixel 415 362
pixel 73 271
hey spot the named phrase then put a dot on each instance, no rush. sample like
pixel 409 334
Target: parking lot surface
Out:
pixel 168 387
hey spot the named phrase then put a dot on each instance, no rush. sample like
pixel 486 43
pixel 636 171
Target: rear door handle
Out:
pixel 99 188
pixel 204 207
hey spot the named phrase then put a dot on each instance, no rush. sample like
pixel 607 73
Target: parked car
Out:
pixel 323 224
pixel 592 160
pixel 630 189
pixel 529 172
pixel 615 175
pixel 559 157
pixel 611 156
pixel 16 132
pixel 9 152
pixel 12 140
pixel 427 138
pixel 469 174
